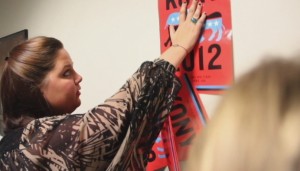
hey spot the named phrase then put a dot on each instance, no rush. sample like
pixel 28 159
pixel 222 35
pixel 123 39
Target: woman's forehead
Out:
pixel 63 58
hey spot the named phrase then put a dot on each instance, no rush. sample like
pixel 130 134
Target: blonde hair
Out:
pixel 256 126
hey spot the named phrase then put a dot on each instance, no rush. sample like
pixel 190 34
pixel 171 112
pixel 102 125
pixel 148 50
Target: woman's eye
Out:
pixel 67 73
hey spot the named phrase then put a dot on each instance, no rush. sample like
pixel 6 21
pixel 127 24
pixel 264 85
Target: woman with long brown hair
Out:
pixel 40 88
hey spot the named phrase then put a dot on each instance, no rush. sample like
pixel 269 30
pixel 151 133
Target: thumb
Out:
pixel 172 32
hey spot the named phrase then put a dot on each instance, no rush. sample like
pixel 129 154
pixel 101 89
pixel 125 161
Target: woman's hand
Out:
pixel 187 33
pixel 190 25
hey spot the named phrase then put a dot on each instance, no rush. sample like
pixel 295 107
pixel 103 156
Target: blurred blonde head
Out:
pixel 256 126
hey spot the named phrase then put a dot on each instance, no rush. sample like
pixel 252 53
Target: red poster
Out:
pixel 208 69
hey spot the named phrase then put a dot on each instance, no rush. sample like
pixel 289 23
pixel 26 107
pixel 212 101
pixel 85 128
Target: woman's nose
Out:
pixel 78 78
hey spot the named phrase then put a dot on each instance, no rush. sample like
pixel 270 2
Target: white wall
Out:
pixel 108 40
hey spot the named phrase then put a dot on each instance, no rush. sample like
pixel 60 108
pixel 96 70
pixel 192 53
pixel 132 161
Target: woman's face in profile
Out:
pixel 61 85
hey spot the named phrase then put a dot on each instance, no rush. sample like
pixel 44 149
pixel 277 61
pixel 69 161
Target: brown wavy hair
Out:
pixel 25 69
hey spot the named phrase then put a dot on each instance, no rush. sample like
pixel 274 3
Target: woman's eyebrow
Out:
pixel 68 65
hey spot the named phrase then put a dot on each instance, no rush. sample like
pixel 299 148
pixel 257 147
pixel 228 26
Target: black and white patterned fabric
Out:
pixel 115 135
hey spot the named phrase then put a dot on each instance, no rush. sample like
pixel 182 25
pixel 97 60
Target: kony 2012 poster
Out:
pixel 208 69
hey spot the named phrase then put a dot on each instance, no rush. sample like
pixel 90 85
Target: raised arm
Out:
pixel 123 129
pixel 187 34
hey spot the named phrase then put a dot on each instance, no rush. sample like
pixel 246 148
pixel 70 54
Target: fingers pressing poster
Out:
pixel 208 69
